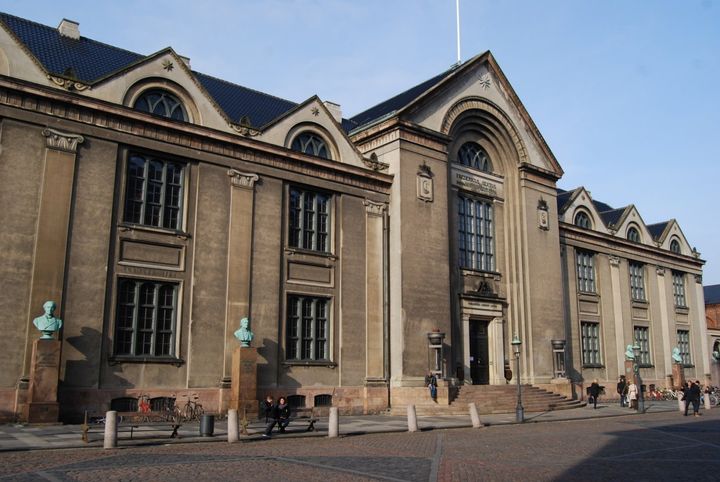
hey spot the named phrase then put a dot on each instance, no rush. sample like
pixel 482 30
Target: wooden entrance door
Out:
pixel 479 357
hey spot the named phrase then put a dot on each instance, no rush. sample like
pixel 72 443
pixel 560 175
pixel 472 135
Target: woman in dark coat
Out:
pixel 594 392
pixel 283 414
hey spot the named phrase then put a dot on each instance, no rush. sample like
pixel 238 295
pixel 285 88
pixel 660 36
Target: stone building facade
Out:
pixel 712 318
pixel 158 206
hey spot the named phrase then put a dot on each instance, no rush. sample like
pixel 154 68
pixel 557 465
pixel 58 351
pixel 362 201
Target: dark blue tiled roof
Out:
pixel 88 61
pixel 712 294
pixel 657 229
pixel 611 218
pixel 398 102
pixel 562 198
pixel 238 101
pixel 602 207
pixel 83 59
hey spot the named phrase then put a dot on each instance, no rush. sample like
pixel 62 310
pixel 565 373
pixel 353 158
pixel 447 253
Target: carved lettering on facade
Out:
pixel 242 179
pixel 477 184
pixel 62 141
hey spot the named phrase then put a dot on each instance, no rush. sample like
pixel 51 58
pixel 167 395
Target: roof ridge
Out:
pixel 195 72
pixel 54 29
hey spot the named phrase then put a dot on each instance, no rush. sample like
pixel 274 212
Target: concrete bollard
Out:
pixel 474 415
pixel 706 399
pixel 681 405
pixel 111 436
pixel 233 435
pixel 333 423
pixel 412 419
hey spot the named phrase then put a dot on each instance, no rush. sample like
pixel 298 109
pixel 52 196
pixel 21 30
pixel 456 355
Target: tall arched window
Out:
pixel 633 235
pixel 162 103
pixel 309 143
pixel 472 155
pixel 583 220
pixel 675 246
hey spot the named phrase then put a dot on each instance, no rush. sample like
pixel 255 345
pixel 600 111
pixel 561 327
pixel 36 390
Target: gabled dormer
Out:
pixel 576 207
pixel 631 227
pixel 668 235
pixel 314 128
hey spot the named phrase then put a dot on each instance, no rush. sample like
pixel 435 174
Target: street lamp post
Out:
pixel 638 380
pixel 519 410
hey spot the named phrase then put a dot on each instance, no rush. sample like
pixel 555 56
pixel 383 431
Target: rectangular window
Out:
pixel 309 220
pixel 154 192
pixel 586 272
pixel 637 281
pixel 146 314
pixel 475 234
pixel 307 328
pixel 642 338
pixel 590 337
pixel 678 280
pixel 683 343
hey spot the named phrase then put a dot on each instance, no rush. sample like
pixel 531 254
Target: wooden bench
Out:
pixel 135 420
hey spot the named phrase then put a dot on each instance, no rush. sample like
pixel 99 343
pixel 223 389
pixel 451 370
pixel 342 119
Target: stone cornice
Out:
pixel 395 129
pixel 26 96
pixel 608 244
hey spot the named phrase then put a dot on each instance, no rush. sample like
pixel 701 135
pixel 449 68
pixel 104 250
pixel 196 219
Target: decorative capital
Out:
pixel 244 129
pixel 614 260
pixel 660 270
pixel 242 179
pixel 374 208
pixel 374 163
pixel 62 141
pixel 698 278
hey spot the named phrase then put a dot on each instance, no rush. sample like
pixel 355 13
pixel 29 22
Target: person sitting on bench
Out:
pixel 283 414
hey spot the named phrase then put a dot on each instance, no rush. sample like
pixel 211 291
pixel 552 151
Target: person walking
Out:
pixel 283 414
pixel 632 394
pixel 693 396
pixel 431 383
pixel 267 406
pixel 622 390
pixel 594 392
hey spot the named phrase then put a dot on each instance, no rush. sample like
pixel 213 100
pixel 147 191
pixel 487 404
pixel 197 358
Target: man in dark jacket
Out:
pixel 267 406
pixel 272 416
pixel 695 394
pixel 622 391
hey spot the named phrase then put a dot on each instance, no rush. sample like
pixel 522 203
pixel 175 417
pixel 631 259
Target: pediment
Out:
pixel 632 219
pixel 673 231
pixel 314 116
pixel 581 201
pixel 480 85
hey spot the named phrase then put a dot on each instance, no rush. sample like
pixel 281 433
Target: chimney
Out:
pixel 334 109
pixel 186 60
pixel 69 28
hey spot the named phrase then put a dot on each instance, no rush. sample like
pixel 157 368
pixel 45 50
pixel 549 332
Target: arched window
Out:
pixel 472 155
pixel 162 103
pixel 675 246
pixel 309 143
pixel 633 235
pixel 583 220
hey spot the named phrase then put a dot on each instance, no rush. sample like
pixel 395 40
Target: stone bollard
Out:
pixel 474 415
pixel 681 405
pixel 706 399
pixel 333 423
pixel 412 419
pixel 233 435
pixel 111 437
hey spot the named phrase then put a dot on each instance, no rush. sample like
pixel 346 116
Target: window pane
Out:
pixel 309 220
pixel 154 192
pixel 307 328
pixel 475 234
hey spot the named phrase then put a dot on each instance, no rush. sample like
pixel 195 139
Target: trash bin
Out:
pixel 207 425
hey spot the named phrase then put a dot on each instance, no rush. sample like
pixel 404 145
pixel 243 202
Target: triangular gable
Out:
pixel 18 60
pixel 581 200
pixel 313 115
pixel 673 231
pixel 631 218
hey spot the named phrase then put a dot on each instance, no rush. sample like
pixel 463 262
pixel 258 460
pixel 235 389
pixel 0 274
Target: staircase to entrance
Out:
pixel 494 399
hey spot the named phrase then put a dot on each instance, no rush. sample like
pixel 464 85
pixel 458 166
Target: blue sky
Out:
pixel 624 92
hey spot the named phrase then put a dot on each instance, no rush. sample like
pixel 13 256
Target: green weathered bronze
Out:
pixel 48 323
pixel 244 334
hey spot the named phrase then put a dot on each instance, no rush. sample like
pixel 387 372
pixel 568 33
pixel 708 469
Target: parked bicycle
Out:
pixel 192 410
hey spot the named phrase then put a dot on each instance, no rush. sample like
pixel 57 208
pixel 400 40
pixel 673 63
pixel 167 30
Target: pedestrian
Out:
pixel 694 393
pixel 267 405
pixel 622 390
pixel 431 383
pixel 686 396
pixel 273 417
pixel 632 395
pixel 283 414
pixel 594 392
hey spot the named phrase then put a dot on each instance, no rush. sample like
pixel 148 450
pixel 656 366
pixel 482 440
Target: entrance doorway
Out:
pixel 479 357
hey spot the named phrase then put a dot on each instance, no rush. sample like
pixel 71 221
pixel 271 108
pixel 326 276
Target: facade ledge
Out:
pixel 682 310
pixel 123 227
pixel 168 360
pixel 594 366
pixel 309 363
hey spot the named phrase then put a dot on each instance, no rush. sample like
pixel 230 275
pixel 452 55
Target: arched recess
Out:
pixel 319 131
pixel 156 83
pixel 483 113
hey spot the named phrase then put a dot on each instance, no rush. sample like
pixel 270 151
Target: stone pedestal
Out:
pixel 42 404
pixel 678 373
pixel 629 373
pixel 243 396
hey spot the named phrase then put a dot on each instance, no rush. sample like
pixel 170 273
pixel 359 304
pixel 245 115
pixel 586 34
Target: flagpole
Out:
pixel 457 19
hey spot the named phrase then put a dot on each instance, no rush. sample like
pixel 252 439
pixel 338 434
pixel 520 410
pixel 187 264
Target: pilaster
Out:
pixel 617 311
pixel 374 301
